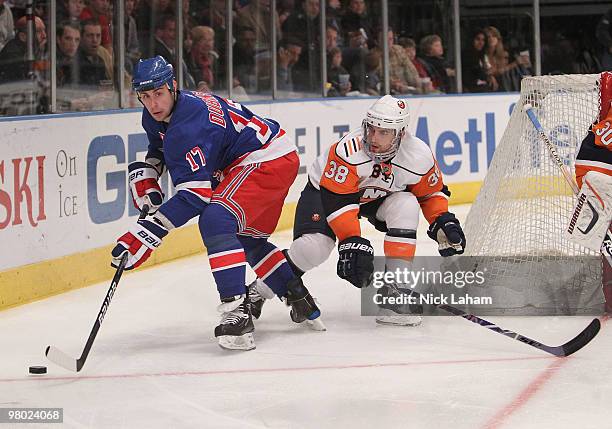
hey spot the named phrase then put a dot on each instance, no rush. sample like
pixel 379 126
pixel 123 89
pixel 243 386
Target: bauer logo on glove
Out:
pixel 148 238
pixel 138 242
pixel 136 175
pixel 356 261
pixel 356 246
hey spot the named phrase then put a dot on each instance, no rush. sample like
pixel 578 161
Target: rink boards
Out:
pixel 63 179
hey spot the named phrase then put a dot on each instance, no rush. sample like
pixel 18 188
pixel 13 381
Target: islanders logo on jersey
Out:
pixel 371 193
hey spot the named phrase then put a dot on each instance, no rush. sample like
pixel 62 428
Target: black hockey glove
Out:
pixel 447 231
pixel 356 261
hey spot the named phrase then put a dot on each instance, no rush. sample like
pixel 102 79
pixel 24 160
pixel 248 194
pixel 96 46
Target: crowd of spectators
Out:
pixel 353 45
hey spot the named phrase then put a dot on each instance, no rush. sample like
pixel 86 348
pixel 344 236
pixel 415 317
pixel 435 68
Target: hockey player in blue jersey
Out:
pixel 230 168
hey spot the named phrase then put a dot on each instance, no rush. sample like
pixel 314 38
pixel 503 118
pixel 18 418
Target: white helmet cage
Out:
pixel 387 112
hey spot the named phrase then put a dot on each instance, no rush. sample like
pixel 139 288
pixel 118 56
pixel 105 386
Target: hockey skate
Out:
pixel 235 331
pixel 398 314
pixel 303 306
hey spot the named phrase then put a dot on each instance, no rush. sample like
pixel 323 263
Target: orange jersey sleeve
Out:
pixel 340 194
pixel 594 153
pixel 430 193
pixel 581 170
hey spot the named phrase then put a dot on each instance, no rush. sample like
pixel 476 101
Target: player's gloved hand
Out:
pixel 356 261
pixel 144 187
pixel 447 231
pixel 138 242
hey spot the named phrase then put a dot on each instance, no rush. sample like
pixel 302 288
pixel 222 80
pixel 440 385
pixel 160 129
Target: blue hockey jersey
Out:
pixel 207 136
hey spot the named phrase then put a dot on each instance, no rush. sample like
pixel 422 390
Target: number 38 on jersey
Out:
pixel 335 172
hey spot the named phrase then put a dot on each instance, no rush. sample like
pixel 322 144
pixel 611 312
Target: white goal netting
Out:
pixel 515 227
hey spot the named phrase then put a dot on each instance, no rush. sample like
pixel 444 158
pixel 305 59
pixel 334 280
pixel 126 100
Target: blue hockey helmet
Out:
pixel 152 73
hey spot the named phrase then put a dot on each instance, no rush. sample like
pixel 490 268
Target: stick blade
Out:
pixel 582 339
pixel 60 358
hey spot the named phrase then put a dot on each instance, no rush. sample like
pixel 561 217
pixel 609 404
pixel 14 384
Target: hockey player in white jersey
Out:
pixel 384 174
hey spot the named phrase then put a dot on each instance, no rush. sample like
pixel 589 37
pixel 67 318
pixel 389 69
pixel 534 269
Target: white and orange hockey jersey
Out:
pixel 595 152
pixel 347 177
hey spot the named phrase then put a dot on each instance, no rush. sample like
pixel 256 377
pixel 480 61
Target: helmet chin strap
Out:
pixel 174 92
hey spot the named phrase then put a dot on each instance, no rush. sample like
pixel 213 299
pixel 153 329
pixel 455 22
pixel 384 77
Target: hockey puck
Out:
pixel 38 370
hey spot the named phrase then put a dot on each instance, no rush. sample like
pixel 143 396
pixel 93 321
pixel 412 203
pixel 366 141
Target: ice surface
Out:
pixel 156 363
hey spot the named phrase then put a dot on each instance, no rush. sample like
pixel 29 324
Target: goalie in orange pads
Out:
pixel 384 174
pixel 594 160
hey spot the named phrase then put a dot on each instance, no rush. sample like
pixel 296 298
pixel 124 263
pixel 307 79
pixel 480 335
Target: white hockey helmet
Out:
pixel 387 112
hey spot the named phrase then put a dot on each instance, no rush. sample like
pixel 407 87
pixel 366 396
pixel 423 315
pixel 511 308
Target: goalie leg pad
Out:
pixel 593 211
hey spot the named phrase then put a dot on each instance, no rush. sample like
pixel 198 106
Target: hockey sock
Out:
pixel 400 243
pixel 269 263
pixel 225 252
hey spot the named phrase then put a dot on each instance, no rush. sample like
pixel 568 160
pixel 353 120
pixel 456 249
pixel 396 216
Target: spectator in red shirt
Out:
pixel 409 46
pixel 203 59
pixel 98 10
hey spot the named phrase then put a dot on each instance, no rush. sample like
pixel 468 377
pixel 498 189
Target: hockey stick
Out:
pixel 572 346
pixel 60 358
pixel 551 148
pixel 606 246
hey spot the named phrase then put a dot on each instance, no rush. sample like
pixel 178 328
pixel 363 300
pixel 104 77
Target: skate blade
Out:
pixel 399 320
pixel 316 324
pixel 243 342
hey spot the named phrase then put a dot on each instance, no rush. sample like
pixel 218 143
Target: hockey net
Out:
pixel 515 227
